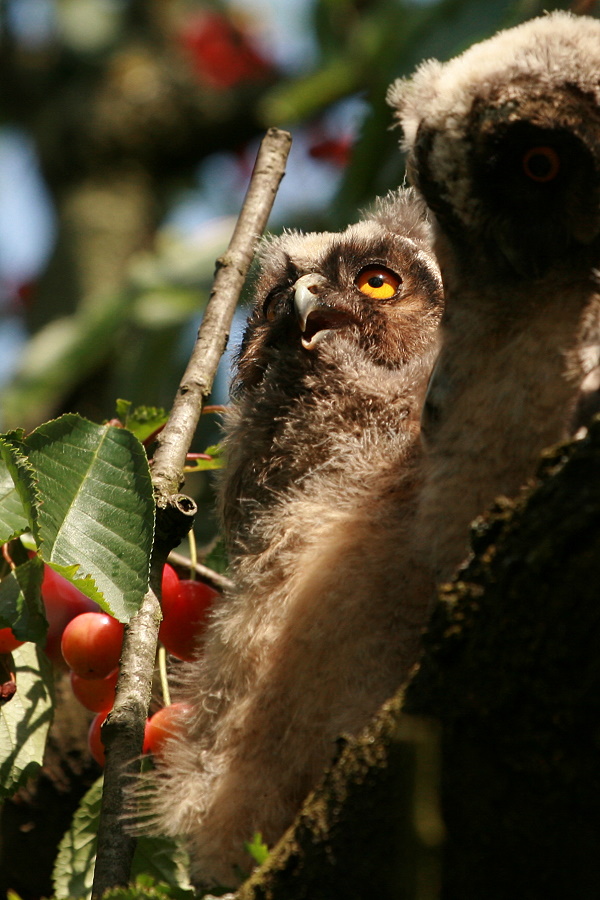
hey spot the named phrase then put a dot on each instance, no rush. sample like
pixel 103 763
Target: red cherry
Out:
pixel 62 602
pixel 170 584
pixel 91 644
pixel 161 726
pixel 8 642
pixel 95 745
pixel 185 615
pixel 97 694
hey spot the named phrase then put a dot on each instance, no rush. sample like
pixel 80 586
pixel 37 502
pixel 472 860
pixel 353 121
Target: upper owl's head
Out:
pixel 504 144
pixel 375 286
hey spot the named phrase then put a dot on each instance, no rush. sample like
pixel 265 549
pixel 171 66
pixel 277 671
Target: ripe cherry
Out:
pixel 97 694
pixel 170 584
pixel 95 745
pixel 62 602
pixel 162 725
pixel 8 642
pixel 91 644
pixel 185 614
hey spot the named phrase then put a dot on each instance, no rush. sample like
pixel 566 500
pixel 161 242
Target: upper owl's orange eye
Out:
pixel 541 163
pixel 377 282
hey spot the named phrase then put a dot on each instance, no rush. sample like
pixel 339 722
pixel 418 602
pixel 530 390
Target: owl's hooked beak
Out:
pixel 316 318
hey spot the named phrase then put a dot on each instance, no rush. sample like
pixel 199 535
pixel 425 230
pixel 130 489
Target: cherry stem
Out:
pixel 164 678
pixel 193 555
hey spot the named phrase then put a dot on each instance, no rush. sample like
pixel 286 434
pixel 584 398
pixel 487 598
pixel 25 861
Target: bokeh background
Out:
pixel 128 132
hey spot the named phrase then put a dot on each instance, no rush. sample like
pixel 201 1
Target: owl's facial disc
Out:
pixel 316 318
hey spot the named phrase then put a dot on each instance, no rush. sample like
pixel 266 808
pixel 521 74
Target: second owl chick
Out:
pixel 325 617
pixel 504 144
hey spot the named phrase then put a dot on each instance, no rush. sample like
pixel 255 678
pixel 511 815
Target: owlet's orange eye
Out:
pixel 541 164
pixel 377 282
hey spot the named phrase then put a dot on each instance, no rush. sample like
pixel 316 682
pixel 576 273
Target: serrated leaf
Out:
pixel 160 858
pixel 25 719
pixel 95 509
pixel 73 873
pixel 143 421
pixel 21 606
pixel 13 518
pixel 22 477
pixel 164 859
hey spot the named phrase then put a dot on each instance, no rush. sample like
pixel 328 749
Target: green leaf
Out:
pixel 25 719
pixel 160 858
pixel 217 559
pixel 74 867
pixel 257 850
pixel 14 459
pixel 13 518
pixel 94 518
pixel 145 888
pixel 21 606
pixel 217 460
pixel 164 859
pixel 143 421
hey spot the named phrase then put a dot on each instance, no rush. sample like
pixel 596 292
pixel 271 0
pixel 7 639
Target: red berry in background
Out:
pixel 220 52
pixel 162 725
pixel 185 615
pixel 8 642
pixel 95 745
pixel 91 644
pixel 62 602
pixel 97 694
pixel 336 151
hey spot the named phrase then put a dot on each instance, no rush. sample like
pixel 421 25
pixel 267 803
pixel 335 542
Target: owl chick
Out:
pixel 504 145
pixel 324 621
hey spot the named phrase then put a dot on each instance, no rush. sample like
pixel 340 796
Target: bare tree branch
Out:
pixel 124 730
pixel 232 268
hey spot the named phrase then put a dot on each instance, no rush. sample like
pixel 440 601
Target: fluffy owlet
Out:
pixel 504 145
pixel 325 618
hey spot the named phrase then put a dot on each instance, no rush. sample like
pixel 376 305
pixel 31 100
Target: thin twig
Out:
pixel 175 438
pixel 124 730
pixel 215 579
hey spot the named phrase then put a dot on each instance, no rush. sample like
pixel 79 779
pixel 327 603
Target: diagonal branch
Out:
pixel 124 729
pixel 232 268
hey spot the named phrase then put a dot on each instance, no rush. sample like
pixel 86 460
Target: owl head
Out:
pixel 504 144
pixel 374 287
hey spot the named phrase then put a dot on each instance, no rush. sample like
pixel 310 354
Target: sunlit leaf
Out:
pixel 143 421
pixel 25 719
pixel 13 517
pixel 21 606
pixel 96 509
pixel 213 458
pixel 258 850
pixel 162 859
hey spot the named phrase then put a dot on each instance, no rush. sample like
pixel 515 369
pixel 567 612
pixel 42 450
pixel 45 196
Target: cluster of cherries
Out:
pixel 89 642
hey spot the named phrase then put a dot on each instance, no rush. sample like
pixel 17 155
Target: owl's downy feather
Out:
pixel 322 624
pixel 504 145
